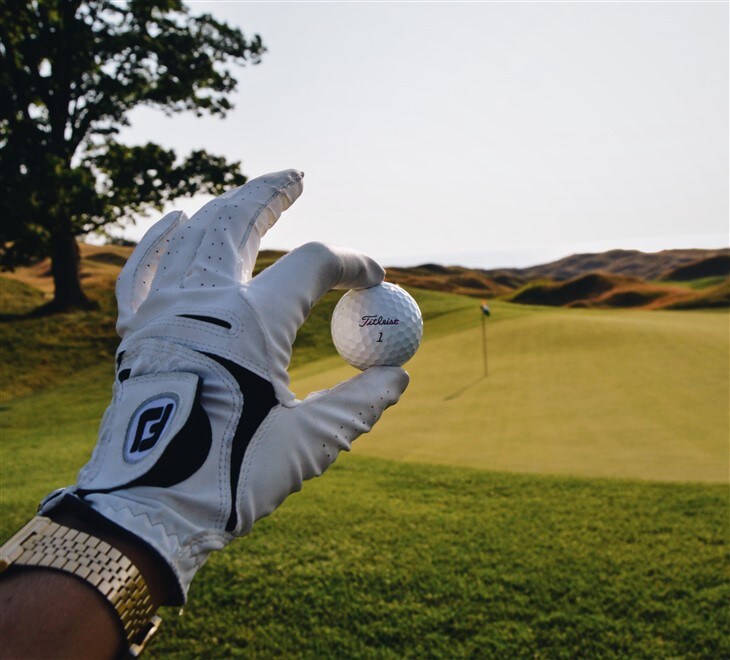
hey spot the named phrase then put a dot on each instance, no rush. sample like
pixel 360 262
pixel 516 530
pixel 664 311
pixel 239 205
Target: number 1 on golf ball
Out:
pixel 379 326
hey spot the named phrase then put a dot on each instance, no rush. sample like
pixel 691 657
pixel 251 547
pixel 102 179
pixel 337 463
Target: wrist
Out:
pixel 44 545
pixel 156 518
pixel 65 507
pixel 153 569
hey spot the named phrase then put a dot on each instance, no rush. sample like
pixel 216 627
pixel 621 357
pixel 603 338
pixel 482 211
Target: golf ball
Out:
pixel 379 326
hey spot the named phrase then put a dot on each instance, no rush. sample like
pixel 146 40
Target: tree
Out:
pixel 71 72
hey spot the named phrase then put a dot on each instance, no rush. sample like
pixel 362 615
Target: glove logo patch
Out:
pixel 148 425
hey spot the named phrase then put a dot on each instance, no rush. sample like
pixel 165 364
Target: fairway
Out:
pixel 632 394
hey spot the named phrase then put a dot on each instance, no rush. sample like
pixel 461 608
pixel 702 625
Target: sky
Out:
pixel 485 134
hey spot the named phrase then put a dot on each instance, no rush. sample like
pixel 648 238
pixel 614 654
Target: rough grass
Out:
pixel 38 352
pixel 381 559
pixel 717 265
pixel 607 290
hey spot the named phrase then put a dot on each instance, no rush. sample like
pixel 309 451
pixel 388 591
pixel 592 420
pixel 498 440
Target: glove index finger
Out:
pixel 236 221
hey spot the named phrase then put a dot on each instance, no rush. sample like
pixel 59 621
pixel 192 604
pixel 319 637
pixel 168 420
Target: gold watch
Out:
pixel 47 544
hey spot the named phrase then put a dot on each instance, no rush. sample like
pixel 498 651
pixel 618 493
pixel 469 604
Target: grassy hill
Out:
pixel 453 279
pixel 607 291
pixel 647 266
pixel 672 279
pixel 443 533
pixel 715 266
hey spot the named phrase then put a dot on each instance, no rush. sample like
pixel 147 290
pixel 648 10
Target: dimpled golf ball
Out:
pixel 379 326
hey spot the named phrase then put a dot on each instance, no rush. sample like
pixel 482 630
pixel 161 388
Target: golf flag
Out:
pixel 485 312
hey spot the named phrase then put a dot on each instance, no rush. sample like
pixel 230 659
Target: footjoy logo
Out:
pixel 377 320
pixel 147 427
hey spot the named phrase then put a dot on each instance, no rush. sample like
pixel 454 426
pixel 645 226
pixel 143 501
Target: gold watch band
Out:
pixel 44 543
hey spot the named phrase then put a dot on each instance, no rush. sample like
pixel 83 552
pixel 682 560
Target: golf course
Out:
pixel 572 502
pixel 577 392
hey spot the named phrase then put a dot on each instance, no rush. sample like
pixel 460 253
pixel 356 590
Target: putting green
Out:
pixel 633 394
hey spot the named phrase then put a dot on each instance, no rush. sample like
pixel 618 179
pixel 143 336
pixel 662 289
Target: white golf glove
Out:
pixel 203 436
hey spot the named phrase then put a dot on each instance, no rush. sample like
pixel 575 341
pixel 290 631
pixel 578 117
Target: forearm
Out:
pixel 50 613
pixel 46 613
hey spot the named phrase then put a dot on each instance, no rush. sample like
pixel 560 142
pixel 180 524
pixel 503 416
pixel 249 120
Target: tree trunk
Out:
pixel 65 267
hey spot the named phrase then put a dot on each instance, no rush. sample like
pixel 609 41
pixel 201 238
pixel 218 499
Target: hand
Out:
pixel 203 436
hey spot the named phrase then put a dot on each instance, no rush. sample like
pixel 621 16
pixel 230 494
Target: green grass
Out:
pixel 699 283
pixel 606 393
pixel 39 352
pixel 384 559
pixel 401 558
pixel 388 560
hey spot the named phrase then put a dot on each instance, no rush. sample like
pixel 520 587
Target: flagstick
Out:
pixel 484 343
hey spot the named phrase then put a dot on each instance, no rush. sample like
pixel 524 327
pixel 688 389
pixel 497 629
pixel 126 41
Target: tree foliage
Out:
pixel 71 72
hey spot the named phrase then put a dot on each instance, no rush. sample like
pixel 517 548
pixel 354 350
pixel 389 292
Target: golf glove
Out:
pixel 203 436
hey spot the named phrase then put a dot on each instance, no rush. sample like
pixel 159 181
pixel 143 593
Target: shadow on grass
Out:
pixel 460 391
pixel 51 308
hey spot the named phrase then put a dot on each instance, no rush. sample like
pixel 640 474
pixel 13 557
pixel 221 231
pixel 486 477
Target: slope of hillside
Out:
pixel 453 279
pixel 614 279
pixel 581 289
pixel 100 265
pixel 715 297
pixel 605 290
pixel 27 288
pixel 715 266
pixel 38 353
pixel 634 263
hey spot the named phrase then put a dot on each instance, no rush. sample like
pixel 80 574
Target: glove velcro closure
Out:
pixel 145 435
